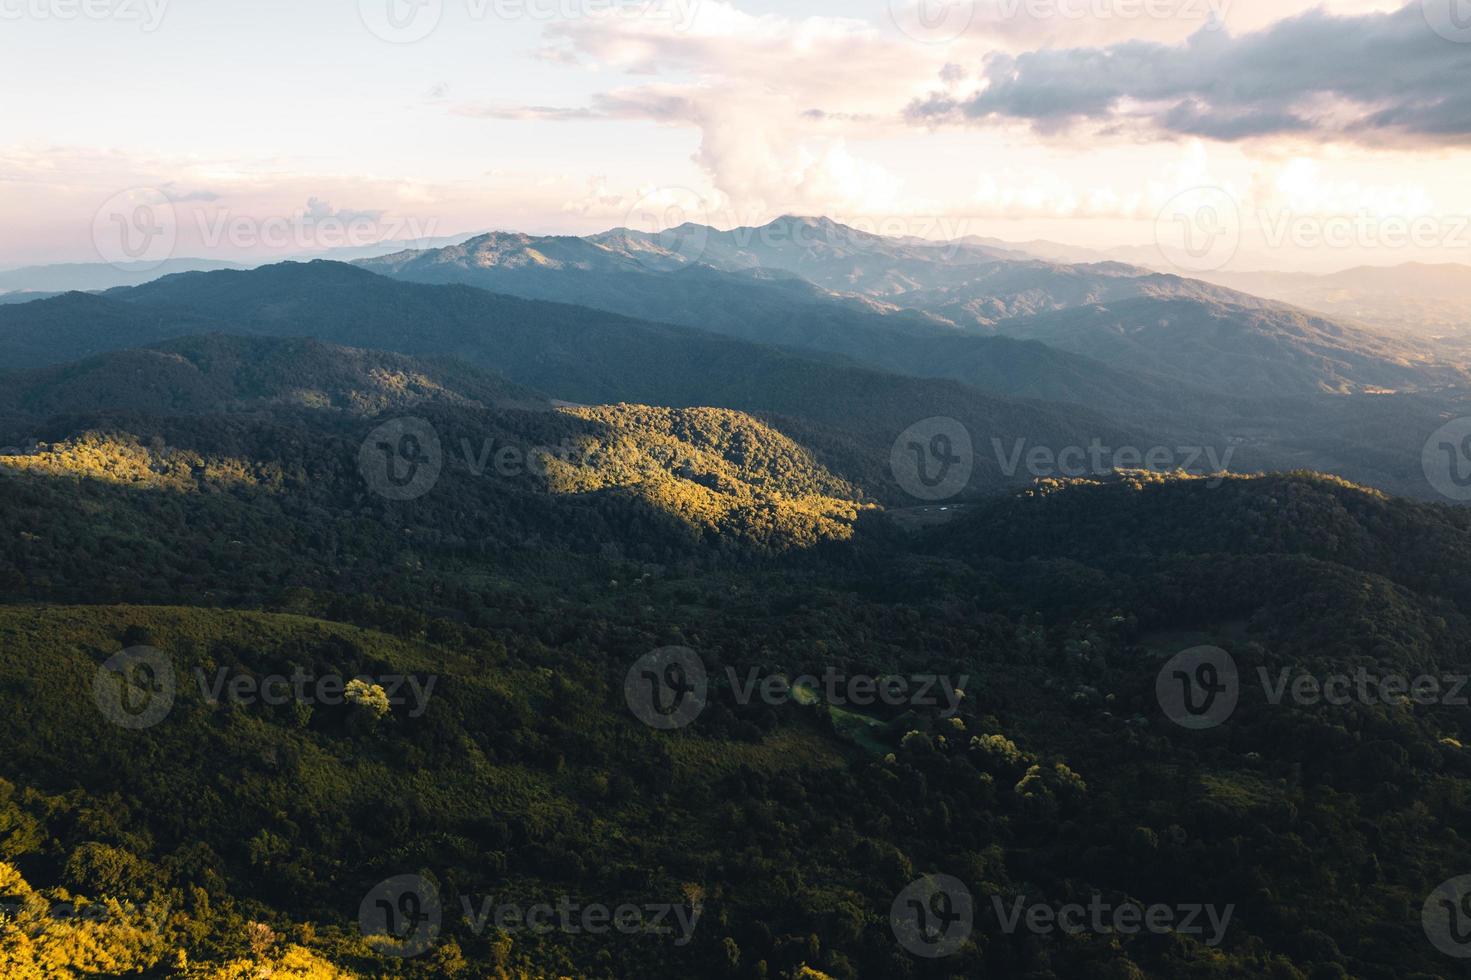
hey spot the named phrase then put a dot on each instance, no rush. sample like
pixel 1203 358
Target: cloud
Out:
pixel 777 100
pixel 1028 25
pixel 1376 79
pixel 318 210
pixel 177 196
pixel 533 113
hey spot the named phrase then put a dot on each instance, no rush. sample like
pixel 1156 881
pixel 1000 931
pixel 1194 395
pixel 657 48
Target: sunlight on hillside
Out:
pixel 121 459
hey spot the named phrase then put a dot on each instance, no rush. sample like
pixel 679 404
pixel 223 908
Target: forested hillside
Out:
pixel 234 836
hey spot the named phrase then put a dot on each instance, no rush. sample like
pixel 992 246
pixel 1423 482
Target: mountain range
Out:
pixel 629 447
pixel 648 319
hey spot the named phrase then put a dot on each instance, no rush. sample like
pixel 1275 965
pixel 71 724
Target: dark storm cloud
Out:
pixel 1378 78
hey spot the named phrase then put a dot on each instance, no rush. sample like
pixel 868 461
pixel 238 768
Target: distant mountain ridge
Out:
pixel 1421 299
pixel 579 355
pixel 220 373
pixel 87 276
pixel 895 303
pixel 1263 350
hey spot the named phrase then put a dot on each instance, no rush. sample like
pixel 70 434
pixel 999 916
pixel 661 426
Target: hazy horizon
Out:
pixel 407 119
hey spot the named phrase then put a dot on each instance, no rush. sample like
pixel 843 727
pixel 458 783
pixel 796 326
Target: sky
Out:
pixel 1244 134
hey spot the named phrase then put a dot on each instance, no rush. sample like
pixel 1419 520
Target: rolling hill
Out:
pixel 1258 351
pixel 218 373
pixel 850 414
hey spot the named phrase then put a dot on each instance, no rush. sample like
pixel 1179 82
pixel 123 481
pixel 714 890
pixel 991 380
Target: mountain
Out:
pixel 966 283
pixel 217 373
pixel 1257 351
pixel 209 498
pixel 850 301
pixel 87 276
pixel 852 413
pixel 778 309
pixel 75 325
pixel 352 253
pixel 1009 290
pixel 754 304
pixel 820 250
pixel 24 296
pixel 751 300
pixel 1422 300
pixel 1053 610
